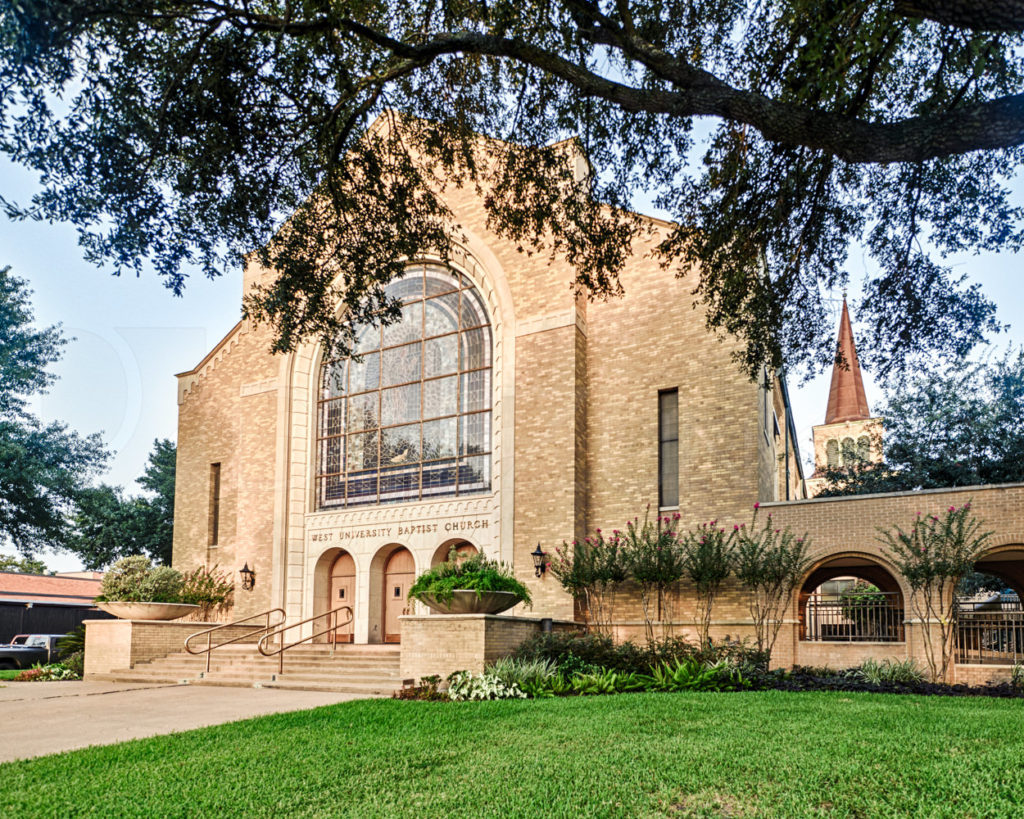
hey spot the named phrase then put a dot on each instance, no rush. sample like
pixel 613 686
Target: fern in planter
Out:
pixel 474 573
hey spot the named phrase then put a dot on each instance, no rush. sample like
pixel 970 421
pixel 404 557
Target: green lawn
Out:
pixel 749 754
pixel 9 673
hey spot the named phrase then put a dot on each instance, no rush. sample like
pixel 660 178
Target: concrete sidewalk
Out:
pixel 46 717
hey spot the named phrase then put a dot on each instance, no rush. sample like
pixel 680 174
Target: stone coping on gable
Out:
pixel 984 487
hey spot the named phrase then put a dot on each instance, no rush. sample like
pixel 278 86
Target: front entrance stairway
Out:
pixel 370 670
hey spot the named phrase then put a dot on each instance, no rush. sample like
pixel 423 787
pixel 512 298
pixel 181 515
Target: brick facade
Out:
pixel 574 447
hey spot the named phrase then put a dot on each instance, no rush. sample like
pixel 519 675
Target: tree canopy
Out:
pixel 108 525
pixel 197 131
pixel 42 466
pixel 961 428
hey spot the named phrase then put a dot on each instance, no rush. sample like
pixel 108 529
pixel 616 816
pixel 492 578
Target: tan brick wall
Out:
pixel 114 645
pixel 440 644
pixel 982 674
pixel 228 415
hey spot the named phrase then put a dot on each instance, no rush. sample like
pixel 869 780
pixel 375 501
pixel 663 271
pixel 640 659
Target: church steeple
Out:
pixel 846 398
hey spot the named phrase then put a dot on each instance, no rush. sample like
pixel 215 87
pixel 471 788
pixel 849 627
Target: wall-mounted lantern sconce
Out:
pixel 248 577
pixel 540 564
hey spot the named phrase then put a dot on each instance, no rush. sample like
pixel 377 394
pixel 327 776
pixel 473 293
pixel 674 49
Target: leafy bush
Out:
pixel 1017 676
pixel 135 580
pixel 476 573
pixel 463 685
pixel 211 590
pixel 573 651
pixel 693 675
pixel 529 675
pixel 889 671
pixel 48 673
pixel 75 663
pixel 576 652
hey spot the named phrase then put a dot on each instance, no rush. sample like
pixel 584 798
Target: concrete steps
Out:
pixel 366 670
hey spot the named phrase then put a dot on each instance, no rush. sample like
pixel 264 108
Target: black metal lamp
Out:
pixel 540 564
pixel 248 577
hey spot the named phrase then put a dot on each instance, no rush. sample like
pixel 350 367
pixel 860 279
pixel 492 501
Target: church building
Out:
pixel 501 413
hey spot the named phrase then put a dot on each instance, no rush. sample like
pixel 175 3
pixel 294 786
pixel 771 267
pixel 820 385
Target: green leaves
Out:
pixel 42 466
pixel 179 135
pixel 476 573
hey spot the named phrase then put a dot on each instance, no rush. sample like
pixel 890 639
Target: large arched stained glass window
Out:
pixel 411 419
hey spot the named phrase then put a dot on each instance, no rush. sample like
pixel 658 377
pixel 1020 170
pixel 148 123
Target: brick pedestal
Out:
pixel 443 643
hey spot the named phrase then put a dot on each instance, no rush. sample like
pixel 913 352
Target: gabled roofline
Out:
pixel 216 349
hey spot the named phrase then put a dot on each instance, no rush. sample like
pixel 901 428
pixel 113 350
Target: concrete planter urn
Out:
pixel 147 611
pixel 466 601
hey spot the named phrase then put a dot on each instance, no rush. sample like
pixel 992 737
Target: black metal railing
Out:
pixel 990 632
pixel 858 617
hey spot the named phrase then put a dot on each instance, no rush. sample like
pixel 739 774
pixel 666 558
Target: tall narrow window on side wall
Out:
pixel 668 448
pixel 214 519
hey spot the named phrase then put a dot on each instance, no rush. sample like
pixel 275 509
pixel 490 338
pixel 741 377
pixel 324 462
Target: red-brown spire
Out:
pixel 846 398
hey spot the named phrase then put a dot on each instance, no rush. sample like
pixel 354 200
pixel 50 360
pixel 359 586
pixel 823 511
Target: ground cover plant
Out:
pixel 766 754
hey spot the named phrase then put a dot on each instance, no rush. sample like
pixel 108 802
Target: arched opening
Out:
pixel 990 620
pixel 333 576
pixel 851 598
pixel 392 572
pixel 463 548
pixel 832 453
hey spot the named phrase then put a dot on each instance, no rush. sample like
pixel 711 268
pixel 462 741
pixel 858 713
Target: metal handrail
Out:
pixel 280 650
pixel 208 649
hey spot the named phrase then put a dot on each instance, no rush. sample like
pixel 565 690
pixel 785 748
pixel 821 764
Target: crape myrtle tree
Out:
pixel 43 467
pixel 180 132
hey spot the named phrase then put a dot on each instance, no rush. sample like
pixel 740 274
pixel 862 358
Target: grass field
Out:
pixel 9 673
pixel 752 754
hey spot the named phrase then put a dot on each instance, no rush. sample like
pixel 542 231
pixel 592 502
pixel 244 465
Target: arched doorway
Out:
pixel 990 619
pixel 342 592
pixel 463 548
pixel 399 573
pixel 851 598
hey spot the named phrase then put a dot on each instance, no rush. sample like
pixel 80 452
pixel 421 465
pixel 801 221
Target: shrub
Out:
pixel 75 663
pixel 47 673
pixel 463 685
pixel 574 652
pixel 1017 676
pixel 134 579
pixel 694 675
pixel 211 590
pixel 585 650
pixel 476 573
pixel 889 671
pixel 529 675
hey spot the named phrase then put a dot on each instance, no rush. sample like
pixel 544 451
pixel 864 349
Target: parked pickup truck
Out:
pixel 25 650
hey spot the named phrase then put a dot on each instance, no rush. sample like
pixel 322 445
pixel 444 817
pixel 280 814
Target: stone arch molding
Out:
pixel 296 492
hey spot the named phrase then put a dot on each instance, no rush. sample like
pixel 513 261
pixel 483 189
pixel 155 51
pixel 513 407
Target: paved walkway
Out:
pixel 46 717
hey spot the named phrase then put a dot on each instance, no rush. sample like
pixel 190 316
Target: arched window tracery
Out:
pixel 411 419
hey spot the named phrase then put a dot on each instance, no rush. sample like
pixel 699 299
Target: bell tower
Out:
pixel 849 435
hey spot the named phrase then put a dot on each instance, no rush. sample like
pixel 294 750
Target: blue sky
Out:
pixel 131 335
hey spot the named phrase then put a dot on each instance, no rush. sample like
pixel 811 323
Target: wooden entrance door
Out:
pixel 342 593
pixel 399 572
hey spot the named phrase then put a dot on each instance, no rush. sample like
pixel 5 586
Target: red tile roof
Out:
pixel 846 398
pixel 41 588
